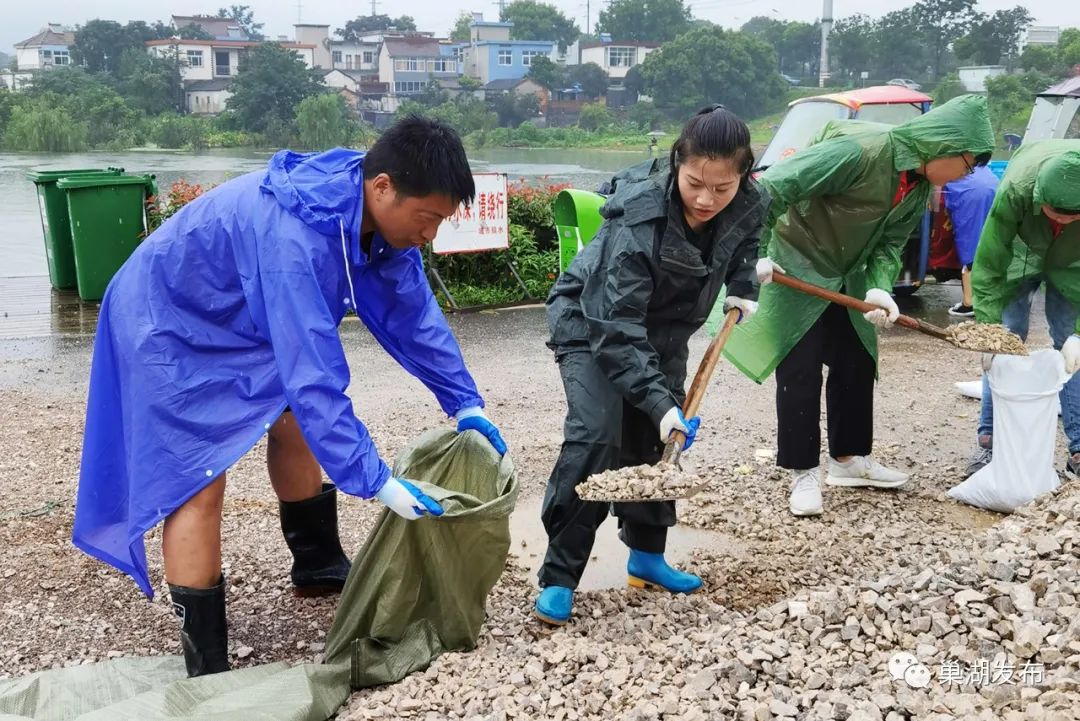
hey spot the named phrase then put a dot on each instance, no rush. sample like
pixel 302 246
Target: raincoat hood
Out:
pixel 961 125
pixel 1058 182
pixel 324 190
pixel 1018 243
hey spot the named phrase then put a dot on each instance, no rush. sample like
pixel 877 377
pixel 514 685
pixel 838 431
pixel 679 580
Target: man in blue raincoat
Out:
pixel 223 327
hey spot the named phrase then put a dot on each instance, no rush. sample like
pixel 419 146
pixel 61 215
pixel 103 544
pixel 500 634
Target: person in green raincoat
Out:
pixel 1031 237
pixel 841 214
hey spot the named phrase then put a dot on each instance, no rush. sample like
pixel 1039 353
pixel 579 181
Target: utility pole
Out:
pixel 502 6
pixel 587 9
pixel 826 28
pixel 374 12
pixel 299 11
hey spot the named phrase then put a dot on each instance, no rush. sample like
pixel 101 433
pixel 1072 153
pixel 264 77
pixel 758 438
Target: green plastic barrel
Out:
pixel 577 218
pixel 54 222
pixel 108 221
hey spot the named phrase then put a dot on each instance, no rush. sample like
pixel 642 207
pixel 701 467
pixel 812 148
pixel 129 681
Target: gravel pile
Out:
pixel 994 632
pixel 799 618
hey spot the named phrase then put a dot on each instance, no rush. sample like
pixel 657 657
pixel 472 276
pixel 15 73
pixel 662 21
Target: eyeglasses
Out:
pixel 970 168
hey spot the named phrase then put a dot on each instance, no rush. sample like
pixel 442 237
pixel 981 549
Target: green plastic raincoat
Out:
pixel 1018 241
pixel 833 223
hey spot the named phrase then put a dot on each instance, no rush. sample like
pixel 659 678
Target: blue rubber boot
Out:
pixel 553 605
pixel 650 570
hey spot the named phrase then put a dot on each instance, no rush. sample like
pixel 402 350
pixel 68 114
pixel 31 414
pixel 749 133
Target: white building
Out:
pixel 318 36
pixel 209 66
pixel 49 48
pixel 1041 35
pixel 974 77
pixel 614 57
pixel 210 59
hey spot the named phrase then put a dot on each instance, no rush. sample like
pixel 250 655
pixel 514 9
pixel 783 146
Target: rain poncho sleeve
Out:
pixel 1018 241
pixel 991 288
pixel 314 372
pixel 414 331
pixel 618 335
pixel 885 260
pixel 822 169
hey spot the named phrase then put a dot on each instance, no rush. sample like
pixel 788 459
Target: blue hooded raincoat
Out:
pixel 227 314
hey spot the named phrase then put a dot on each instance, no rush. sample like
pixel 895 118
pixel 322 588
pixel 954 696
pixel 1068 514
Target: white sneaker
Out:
pixel 806 493
pixel 863 472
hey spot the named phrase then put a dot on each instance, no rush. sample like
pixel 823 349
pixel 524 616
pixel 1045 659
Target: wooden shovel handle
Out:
pixel 701 379
pixel 855 304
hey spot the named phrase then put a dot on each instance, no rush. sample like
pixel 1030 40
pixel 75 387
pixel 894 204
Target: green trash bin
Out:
pixel 577 218
pixel 108 221
pixel 54 222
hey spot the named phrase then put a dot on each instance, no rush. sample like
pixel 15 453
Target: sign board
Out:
pixel 480 227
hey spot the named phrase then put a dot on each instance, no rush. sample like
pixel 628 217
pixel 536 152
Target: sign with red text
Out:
pixel 482 226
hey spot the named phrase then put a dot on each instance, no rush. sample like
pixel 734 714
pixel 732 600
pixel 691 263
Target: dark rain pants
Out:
pixel 602 432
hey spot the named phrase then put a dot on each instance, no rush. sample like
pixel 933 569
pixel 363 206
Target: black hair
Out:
pixel 422 156
pixel 982 159
pixel 715 132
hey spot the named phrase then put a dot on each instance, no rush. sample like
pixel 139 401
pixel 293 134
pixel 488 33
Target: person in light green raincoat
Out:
pixel 841 214
pixel 1030 237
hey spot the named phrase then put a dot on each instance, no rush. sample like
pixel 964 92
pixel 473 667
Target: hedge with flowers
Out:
pixel 473 278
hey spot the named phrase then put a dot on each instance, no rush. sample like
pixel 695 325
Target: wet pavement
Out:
pixel 30 308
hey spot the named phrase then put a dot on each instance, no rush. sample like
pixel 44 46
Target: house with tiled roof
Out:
pixel 407 63
pixel 47 49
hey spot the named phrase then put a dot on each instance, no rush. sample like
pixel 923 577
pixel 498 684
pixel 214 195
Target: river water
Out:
pixel 22 250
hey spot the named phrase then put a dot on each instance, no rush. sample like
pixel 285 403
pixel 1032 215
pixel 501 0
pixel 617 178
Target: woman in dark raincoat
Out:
pixel 621 316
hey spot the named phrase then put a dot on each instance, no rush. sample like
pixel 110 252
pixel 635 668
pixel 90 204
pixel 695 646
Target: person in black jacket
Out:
pixel 621 316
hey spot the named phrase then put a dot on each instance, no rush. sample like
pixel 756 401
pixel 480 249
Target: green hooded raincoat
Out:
pixel 832 221
pixel 1018 241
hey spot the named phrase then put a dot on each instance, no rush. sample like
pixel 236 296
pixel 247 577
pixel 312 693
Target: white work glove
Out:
pixel 674 420
pixel 887 311
pixel 1071 353
pixel 765 268
pixel 745 307
pixel 408 501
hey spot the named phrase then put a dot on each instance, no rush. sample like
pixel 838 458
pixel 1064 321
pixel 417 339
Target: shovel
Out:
pixel 674 447
pixel 950 335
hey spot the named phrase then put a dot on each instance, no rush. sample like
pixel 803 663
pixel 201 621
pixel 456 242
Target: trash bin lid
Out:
pixel 100 181
pixel 47 176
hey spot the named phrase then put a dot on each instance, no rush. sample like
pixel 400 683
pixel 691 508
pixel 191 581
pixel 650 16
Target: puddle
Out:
pixel 607 565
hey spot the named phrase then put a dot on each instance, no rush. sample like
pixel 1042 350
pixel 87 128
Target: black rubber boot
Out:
pixel 204 633
pixel 311 531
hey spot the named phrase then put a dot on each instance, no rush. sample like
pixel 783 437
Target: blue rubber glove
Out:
pixel 675 421
pixel 473 419
pixel 408 501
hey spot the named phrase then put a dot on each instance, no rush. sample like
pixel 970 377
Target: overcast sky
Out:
pixel 20 20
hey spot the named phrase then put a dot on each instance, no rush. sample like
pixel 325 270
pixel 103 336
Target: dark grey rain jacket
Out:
pixel 640 289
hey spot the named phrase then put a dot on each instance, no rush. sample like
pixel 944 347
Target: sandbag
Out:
pixel 1025 390
pixel 419 588
pixel 416 589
